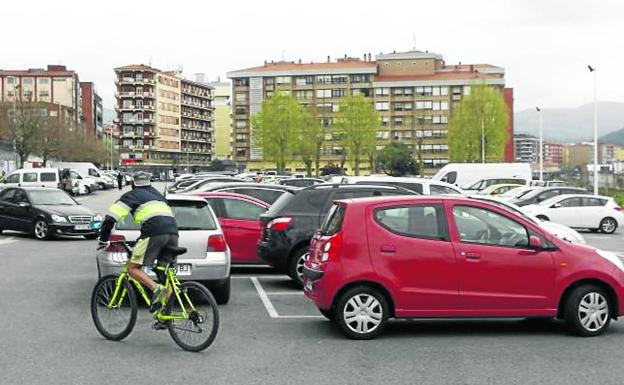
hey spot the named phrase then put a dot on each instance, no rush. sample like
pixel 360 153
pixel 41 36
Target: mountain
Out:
pixel 108 115
pixel 616 137
pixel 571 124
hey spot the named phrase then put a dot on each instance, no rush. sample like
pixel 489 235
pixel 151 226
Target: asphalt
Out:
pixel 47 336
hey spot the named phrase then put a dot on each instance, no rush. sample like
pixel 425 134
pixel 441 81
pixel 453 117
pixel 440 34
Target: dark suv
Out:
pixel 291 222
pixel 542 194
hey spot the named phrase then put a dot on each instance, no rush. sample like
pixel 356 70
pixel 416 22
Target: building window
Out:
pixel 338 93
pixel 304 80
pixel 337 79
pixel 43 94
pixel 241 110
pixel 323 93
pixel 424 105
pixel 323 79
pixel 282 80
pixel 402 106
pixel 241 124
pixel 382 91
pixel 269 81
pixel 10 80
pixel 402 91
pixel 383 134
pixel 240 97
pixel 27 81
pixel 360 79
pixel 381 106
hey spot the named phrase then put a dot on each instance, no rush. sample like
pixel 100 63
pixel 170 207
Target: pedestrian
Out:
pixel 2 174
pixel 120 179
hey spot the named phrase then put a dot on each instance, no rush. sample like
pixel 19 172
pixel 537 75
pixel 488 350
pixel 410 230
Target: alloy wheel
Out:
pixel 41 229
pixel 300 262
pixel 608 225
pixel 593 311
pixel 363 313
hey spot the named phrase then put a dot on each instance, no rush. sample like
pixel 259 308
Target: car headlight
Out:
pixel 98 218
pixel 58 218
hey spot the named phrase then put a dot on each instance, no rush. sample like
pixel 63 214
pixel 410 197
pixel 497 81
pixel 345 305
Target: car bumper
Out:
pixel 69 229
pixel 199 271
pixel 322 286
pixel 272 254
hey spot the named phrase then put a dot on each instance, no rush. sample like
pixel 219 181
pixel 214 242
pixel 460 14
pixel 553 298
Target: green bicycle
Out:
pixel 190 313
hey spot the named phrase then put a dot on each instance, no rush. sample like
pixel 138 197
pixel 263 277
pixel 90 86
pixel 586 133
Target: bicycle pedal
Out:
pixel 157 325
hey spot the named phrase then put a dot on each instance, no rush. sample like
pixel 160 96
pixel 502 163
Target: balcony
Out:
pixel 149 121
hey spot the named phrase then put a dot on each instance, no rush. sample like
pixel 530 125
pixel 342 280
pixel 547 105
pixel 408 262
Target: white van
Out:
pixel 477 176
pixel 89 171
pixel 35 177
pixel 419 185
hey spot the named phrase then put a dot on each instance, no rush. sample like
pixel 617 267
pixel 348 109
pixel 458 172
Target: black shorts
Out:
pixel 147 250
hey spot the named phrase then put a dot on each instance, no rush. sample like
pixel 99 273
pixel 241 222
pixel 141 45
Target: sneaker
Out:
pixel 157 295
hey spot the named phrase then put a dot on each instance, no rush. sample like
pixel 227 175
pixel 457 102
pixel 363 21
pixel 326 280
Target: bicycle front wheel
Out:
pixel 114 317
pixel 197 329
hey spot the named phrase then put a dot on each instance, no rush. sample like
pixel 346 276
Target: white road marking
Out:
pixel 6 241
pixel 268 305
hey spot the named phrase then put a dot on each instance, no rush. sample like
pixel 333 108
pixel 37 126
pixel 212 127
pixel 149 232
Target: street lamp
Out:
pixel 541 145
pixel 593 70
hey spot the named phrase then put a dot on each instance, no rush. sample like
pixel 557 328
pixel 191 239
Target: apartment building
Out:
pixel 165 120
pixel 526 148
pixel 92 111
pixel 223 119
pixel 414 92
pixel 54 85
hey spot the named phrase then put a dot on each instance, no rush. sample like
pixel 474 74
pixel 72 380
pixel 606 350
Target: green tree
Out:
pixel 395 160
pixel 481 114
pixel 276 128
pixel 22 122
pixel 356 122
pixel 310 140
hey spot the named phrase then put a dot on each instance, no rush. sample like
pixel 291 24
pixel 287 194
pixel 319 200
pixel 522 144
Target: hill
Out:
pixel 615 137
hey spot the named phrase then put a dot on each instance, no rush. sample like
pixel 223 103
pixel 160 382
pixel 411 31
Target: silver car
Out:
pixel 207 259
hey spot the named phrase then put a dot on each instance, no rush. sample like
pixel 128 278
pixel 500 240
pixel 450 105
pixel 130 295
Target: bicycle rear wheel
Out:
pixel 117 321
pixel 196 332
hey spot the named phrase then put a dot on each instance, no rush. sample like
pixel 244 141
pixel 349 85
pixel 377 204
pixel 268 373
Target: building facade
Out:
pixel 413 92
pixel 526 148
pixel 223 120
pixel 92 111
pixel 165 120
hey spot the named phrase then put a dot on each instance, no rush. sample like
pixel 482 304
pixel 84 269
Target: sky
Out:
pixel 544 45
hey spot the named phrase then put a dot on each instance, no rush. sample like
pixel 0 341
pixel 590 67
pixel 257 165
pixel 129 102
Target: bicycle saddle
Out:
pixel 174 251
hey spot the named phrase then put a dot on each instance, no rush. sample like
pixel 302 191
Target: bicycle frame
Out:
pixel 170 281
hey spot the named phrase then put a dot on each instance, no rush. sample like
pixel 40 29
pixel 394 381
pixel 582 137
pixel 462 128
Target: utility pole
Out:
pixel 593 70
pixel 541 145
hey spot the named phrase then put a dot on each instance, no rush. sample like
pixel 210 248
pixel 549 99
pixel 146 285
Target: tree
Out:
pixel 331 169
pixel 482 113
pixel 310 140
pixel 276 128
pixel 356 122
pixel 395 160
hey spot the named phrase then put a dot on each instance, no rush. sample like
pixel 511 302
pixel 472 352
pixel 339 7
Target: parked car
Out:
pixel 482 184
pixel 35 177
pixel 207 259
pixel 594 212
pixel 418 185
pixel 562 231
pixel 291 222
pixel 300 182
pixel 541 194
pixel 89 170
pixel 180 184
pixel 473 174
pixel 45 212
pixel 498 189
pixel 445 257
pixel 208 181
pixel 239 216
pixel 517 192
pixel 268 193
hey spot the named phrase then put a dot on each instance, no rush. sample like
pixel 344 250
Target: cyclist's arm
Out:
pixel 116 213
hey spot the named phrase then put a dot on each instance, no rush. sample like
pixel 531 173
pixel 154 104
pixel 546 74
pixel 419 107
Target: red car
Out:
pixel 445 257
pixel 239 216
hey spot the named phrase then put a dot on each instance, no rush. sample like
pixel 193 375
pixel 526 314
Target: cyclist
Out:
pixel 158 230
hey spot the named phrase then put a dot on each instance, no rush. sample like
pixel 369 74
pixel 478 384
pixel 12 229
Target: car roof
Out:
pixel 180 197
pixel 563 196
pixel 46 169
pixel 217 194
pixel 341 186
pixel 252 185
pixel 406 199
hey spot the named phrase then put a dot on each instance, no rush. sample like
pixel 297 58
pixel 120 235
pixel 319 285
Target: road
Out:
pixel 47 336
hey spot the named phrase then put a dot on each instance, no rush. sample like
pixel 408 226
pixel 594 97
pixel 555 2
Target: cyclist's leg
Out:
pixel 144 254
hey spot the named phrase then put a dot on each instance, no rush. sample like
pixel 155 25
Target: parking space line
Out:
pixel 6 241
pixel 268 305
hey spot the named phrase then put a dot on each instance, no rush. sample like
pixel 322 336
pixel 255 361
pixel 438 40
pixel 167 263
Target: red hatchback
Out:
pixel 445 257
pixel 239 216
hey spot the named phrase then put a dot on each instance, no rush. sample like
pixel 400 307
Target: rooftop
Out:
pixel 455 75
pixel 137 67
pixel 52 70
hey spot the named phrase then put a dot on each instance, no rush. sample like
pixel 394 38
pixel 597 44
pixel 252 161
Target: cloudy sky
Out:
pixel 544 45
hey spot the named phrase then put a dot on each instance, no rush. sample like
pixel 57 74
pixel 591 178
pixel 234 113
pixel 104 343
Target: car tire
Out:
pixel 587 301
pixel 1 230
pixel 88 190
pixel 373 310
pixel 295 266
pixel 329 314
pixel 222 293
pixel 41 230
pixel 91 236
pixel 608 225
pixel 102 186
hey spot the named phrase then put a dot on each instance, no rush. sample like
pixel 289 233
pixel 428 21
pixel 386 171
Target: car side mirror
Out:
pixel 556 206
pixel 535 242
pixel 23 204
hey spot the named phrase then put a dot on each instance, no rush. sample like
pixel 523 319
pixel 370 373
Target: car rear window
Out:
pixel 48 177
pixel 333 221
pixel 305 202
pixel 189 215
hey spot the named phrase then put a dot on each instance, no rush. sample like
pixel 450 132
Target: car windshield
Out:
pixel 50 197
pixel 189 215
pixel 550 201
pixel 516 192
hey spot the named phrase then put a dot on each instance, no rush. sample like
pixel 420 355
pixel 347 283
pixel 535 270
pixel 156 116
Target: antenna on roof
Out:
pixel 149 61
pixel 414 41
pixel 283 54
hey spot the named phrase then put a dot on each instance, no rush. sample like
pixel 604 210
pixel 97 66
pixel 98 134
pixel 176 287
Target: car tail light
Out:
pixel 327 250
pixel 216 243
pixel 279 224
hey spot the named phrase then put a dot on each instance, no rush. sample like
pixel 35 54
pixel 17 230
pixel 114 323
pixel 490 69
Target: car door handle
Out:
pixel 387 249
pixel 470 255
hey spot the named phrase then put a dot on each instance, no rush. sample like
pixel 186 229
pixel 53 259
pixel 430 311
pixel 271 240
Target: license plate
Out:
pixel 184 270
pixel 81 227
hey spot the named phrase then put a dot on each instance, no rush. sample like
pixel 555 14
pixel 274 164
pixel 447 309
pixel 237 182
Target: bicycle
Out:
pixel 114 305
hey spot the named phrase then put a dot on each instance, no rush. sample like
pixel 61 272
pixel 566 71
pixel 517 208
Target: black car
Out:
pixel 301 182
pixel 290 223
pixel 46 212
pixel 268 193
pixel 541 194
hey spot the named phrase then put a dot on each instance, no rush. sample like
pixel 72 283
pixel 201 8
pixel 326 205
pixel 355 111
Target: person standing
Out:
pixel 120 179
